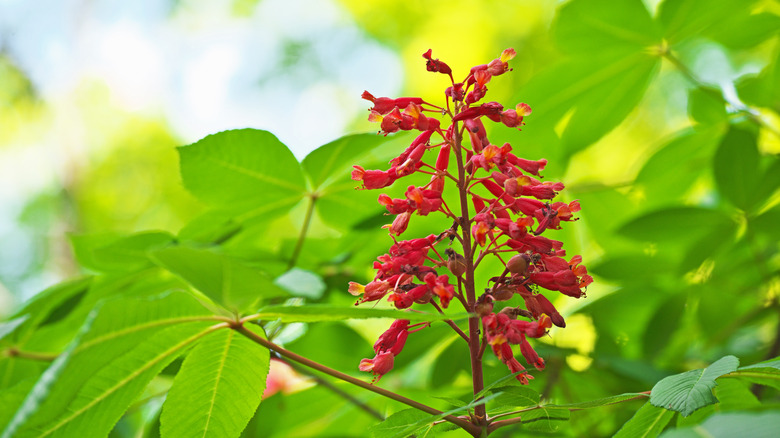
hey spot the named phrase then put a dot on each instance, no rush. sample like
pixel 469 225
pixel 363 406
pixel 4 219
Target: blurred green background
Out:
pixel 662 118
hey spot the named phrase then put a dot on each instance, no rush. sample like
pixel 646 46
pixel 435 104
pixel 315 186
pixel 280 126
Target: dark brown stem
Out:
pixel 451 322
pixel 472 429
pixel 471 296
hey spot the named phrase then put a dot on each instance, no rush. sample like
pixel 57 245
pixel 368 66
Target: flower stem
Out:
pixel 471 296
pixel 238 326
pixel 451 322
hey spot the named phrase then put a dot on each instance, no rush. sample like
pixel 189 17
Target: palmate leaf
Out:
pixel 691 390
pixel 122 346
pixel 218 387
pixel 248 172
pixel 589 93
pixel 648 422
pixel 600 91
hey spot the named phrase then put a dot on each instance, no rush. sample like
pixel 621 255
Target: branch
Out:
pixel 238 326
pixel 32 355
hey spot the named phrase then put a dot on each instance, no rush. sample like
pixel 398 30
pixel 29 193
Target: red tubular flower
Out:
pixel 530 355
pixel 440 287
pixel 394 338
pixel 376 290
pixel 532 167
pixel 384 105
pixel 434 65
pixel 455 92
pixel 399 224
pixel 374 179
pixel 492 110
pixel 380 365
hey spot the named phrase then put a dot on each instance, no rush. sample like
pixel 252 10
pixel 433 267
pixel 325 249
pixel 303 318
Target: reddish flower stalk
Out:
pixel 504 207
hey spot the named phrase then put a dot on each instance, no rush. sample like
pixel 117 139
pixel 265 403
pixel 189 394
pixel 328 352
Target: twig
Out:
pixel 238 326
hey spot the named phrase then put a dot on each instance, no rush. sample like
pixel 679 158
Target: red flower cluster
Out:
pixel 510 208
pixel 387 347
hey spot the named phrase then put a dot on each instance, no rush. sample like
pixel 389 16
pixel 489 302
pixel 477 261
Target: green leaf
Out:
pixel 689 391
pixel 105 254
pixel 731 424
pixel 632 267
pixel 603 401
pixel 120 348
pixel 8 327
pixel 329 168
pixel 511 397
pixel 610 70
pixel 663 325
pixel 330 163
pixel 54 303
pixel 683 19
pixel 670 172
pixel 772 363
pixel 211 227
pixel 398 422
pixel 648 422
pixel 546 419
pixel 451 361
pixel 626 28
pixel 322 312
pixel 301 283
pixel 218 388
pixel 223 279
pixel 489 388
pixel 766 223
pixel 11 398
pixel 601 90
pixel 764 373
pixel 736 167
pixel 674 224
pixel 246 171
pixel 763 89
pixel 707 106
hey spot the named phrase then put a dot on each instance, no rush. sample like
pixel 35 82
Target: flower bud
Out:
pixel 511 312
pixel 484 305
pixel 517 265
pixel 503 293
pixel 456 263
